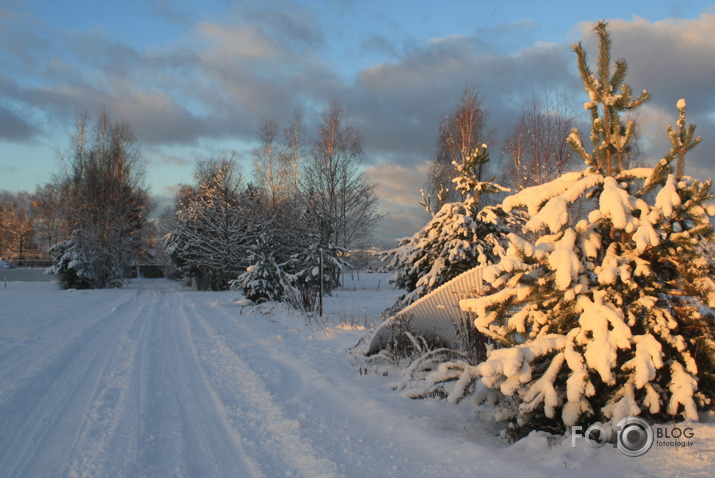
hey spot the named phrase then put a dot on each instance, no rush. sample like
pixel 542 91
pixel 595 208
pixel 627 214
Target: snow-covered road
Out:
pixel 152 380
pixel 143 384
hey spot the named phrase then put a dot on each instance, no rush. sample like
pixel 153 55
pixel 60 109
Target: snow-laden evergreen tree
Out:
pixel 296 280
pixel 72 268
pixel 607 312
pixel 459 236
pixel 266 279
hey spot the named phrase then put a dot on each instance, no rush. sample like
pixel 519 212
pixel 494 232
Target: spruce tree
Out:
pixel 606 314
pixel 460 236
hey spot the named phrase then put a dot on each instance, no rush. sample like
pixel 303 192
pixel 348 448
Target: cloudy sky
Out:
pixel 198 77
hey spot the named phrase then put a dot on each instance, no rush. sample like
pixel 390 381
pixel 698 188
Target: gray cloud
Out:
pixel 670 58
pixel 403 102
pixel 398 189
pixel 14 128
pixel 172 160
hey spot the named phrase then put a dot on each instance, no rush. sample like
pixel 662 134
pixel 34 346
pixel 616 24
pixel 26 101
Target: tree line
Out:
pixel 264 233
pixel 288 164
pixel 305 194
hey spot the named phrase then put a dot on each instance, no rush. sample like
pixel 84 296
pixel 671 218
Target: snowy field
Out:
pixel 153 380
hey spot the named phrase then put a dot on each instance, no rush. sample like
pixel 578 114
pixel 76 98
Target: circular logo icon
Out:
pixel 635 436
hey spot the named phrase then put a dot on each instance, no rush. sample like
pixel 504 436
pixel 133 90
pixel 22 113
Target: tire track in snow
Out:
pixel 154 414
pixel 155 431
pixel 363 434
pixel 204 444
pixel 44 416
pixel 251 408
pixel 49 344
pixel 114 398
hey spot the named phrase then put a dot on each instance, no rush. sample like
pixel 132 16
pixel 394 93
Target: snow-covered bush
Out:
pixel 606 314
pixel 69 265
pixel 84 262
pixel 306 267
pixel 295 281
pixel 459 236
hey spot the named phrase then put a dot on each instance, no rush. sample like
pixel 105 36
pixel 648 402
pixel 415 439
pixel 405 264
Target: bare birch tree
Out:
pixel 536 151
pixel 104 203
pixel 460 133
pixel 267 166
pixel 339 197
pixel 293 152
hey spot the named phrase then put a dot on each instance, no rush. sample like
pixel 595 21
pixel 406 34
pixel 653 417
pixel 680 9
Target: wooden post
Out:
pixel 320 300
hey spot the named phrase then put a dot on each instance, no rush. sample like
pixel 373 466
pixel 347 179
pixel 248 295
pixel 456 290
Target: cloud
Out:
pixel 379 45
pixel 242 42
pixel 402 102
pixel 14 128
pixel 222 75
pixel 173 160
pixel 397 187
pixel 668 57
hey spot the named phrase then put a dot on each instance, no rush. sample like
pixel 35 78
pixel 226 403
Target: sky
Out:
pixel 195 78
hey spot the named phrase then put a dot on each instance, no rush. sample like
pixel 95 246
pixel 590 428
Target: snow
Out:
pixel 682 385
pixel 564 260
pixel 155 380
pixel 609 331
pixel 617 204
pixel 668 198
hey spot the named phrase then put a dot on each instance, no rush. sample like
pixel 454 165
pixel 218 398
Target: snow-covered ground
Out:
pixel 154 380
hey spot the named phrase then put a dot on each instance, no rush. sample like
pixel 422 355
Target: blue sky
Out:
pixel 195 78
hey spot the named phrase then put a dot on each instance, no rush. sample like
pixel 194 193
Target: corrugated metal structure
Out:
pixel 435 316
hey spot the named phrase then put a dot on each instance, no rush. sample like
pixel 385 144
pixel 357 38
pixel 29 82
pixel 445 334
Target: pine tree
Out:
pixel 459 236
pixel 605 315
pixel 610 138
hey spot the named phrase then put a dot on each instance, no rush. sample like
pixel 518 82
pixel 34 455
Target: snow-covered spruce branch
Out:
pixel 413 376
pixel 504 369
